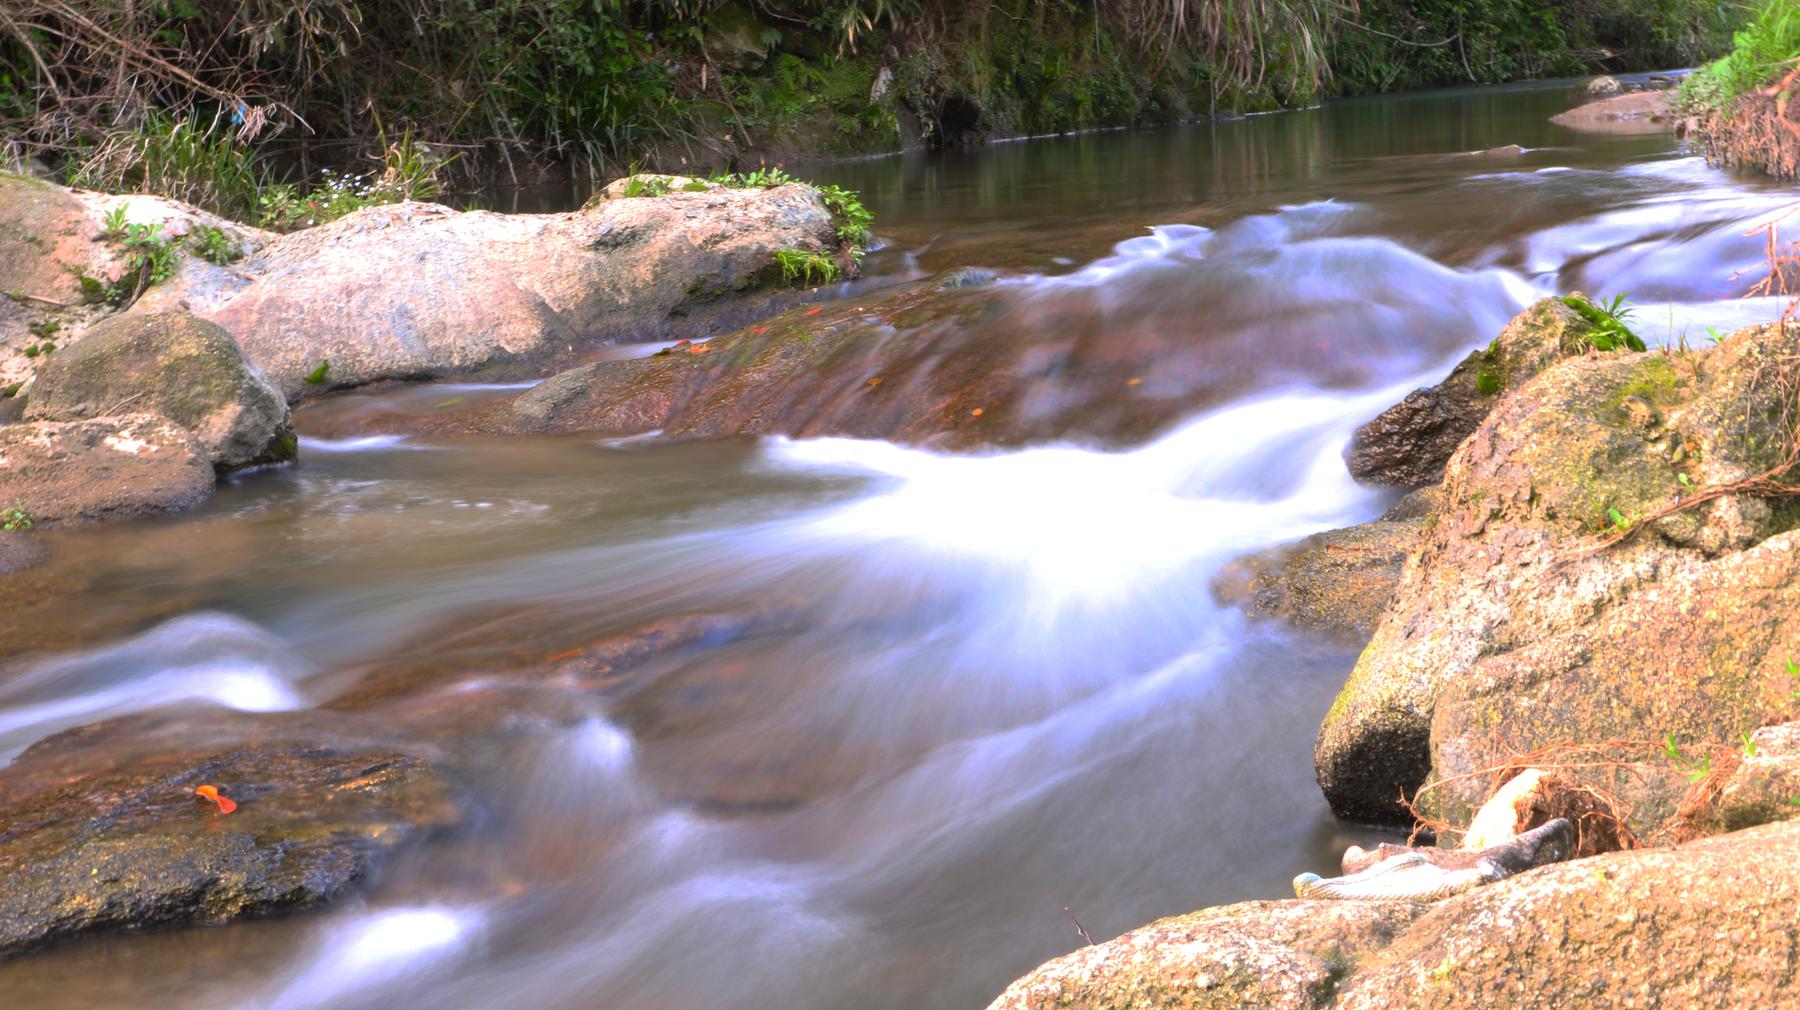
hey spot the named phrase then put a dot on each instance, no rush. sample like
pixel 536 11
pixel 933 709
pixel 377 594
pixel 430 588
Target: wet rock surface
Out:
pixel 109 468
pixel 1408 444
pixel 102 828
pixel 1711 924
pixel 1337 582
pixel 174 364
pixel 1515 628
pixel 957 369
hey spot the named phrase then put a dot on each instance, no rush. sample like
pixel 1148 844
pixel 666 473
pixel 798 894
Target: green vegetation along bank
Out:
pixel 1742 104
pixel 251 95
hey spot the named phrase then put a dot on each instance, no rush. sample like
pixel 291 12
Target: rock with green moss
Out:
pixel 177 365
pixel 106 831
pixel 1408 444
pixel 1515 628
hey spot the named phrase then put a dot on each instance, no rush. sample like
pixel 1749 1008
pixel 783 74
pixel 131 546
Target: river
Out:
pixel 982 689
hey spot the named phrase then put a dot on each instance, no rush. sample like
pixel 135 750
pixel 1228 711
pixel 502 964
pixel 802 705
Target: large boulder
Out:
pixel 177 365
pixel 416 290
pixel 1765 784
pixel 1519 628
pixel 1712 924
pixel 116 837
pixel 1408 444
pixel 58 261
pixel 107 468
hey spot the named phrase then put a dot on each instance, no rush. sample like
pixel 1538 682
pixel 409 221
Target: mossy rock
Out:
pixel 1408 444
pixel 177 365
pixel 1517 626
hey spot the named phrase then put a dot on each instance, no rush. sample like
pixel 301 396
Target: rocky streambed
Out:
pixel 798 641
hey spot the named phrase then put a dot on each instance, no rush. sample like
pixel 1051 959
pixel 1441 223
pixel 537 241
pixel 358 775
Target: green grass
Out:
pixel 213 245
pixel 646 185
pixel 1606 321
pixel 1760 52
pixel 804 268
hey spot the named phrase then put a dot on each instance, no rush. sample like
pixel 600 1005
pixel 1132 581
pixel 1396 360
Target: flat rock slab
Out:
pixel 106 468
pixel 1635 112
pixel 128 844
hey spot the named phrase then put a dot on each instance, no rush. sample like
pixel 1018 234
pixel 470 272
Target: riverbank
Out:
pixel 542 88
pixel 1740 107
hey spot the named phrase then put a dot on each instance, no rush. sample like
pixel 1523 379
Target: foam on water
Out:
pixel 209 657
pixel 358 956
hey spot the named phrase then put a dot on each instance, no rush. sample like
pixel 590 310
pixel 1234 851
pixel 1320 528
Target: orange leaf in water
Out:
pixel 760 329
pixel 699 348
pixel 211 792
pixel 815 310
pixel 976 412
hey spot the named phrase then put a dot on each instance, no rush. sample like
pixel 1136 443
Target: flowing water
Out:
pixel 980 690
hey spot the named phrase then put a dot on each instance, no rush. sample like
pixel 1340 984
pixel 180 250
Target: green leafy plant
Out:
pixel 150 258
pixel 112 226
pixel 1607 330
pixel 646 185
pixel 1746 745
pixel 806 268
pixel 848 214
pixel 1618 520
pixel 316 377
pixel 15 519
pixel 213 245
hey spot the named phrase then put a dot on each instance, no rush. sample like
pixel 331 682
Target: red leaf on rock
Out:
pixel 211 792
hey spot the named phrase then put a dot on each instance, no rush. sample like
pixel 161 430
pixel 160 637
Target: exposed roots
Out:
pixel 1585 784
pixel 1760 130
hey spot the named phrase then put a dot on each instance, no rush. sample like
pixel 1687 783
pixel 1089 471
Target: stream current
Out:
pixel 999 686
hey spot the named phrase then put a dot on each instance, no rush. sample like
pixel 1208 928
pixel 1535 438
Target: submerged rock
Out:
pixel 1708 925
pixel 123 843
pixel 1336 582
pixel 1515 630
pixel 174 364
pixel 108 468
pixel 955 369
pixel 1408 444
pixel 416 290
